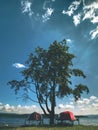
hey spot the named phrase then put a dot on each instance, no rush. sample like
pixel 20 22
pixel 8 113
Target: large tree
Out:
pixel 48 74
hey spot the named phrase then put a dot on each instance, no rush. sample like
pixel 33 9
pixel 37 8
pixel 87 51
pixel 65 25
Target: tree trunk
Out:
pixel 52 113
pixel 52 117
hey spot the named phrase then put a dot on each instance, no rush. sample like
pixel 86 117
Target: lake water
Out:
pixel 18 120
pixel 89 120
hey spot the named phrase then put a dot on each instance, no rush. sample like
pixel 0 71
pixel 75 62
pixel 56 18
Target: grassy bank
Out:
pixel 52 128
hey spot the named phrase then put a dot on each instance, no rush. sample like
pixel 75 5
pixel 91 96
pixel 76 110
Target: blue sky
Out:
pixel 26 24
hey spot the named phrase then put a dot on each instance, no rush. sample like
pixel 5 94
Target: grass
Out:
pixel 78 127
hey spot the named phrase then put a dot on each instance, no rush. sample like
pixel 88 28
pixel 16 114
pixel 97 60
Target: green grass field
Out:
pixel 80 127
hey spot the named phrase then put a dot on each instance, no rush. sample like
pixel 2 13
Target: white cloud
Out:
pixel 64 107
pixel 96 100
pixel 74 6
pixel 7 108
pixel 1 108
pixel 82 106
pixel 26 109
pixel 86 101
pixel 18 109
pixel 87 106
pixel 69 106
pixel 82 109
pixel 60 106
pixel 18 65
pixel 94 105
pixel 79 102
pixel 63 12
pixel 92 98
pixel 88 12
pixel 94 19
pixel 48 11
pixel 77 19
pixel 26 7
pixel 47 14
pixel 69 40
pixel 94 33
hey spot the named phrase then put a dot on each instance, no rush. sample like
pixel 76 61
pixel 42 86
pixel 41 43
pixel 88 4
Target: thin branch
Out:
pixel 25 97
pixel 31 90
pixel 32 99
pixel 47 104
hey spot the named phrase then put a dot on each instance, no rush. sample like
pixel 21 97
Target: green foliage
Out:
pixel 50 71
pixel 16 85
pixel 79 90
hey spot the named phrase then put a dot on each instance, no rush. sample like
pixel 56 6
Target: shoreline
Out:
pixel 14 120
